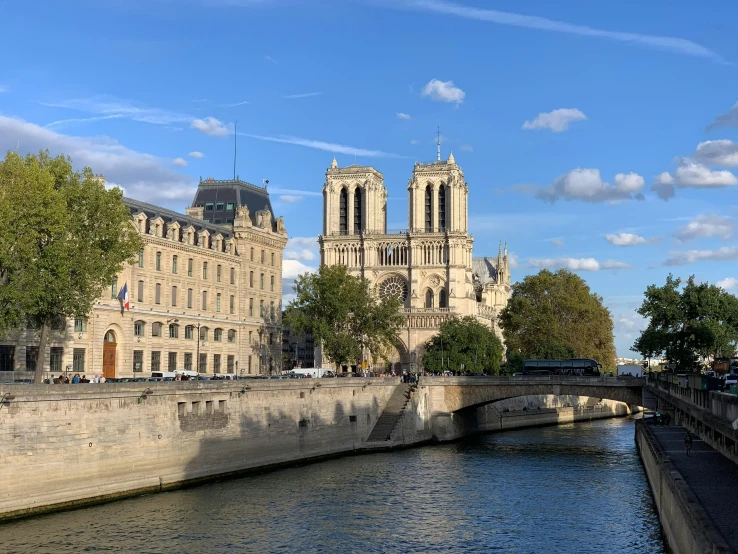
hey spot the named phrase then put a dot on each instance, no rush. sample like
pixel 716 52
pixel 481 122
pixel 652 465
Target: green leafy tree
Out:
pixel 463 343
pixel 689 322
pixel 64 236
pixel 554 315
pixel 342 313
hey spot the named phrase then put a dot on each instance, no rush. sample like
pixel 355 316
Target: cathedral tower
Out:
pixel 437 198
pixel 354 201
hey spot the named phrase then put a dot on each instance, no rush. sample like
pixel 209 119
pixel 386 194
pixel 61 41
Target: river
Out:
pixel 569 488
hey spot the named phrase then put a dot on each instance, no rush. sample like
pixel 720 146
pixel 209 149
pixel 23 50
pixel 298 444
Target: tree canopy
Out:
pixel 341 312
pixel 64 236
pixel 463 344
pixel 552 315
pixel 686 323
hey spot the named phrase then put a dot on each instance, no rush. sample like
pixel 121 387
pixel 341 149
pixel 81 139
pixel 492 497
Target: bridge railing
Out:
pixel 518 379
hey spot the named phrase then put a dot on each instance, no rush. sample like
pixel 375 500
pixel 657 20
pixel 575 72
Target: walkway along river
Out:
pixel 576 488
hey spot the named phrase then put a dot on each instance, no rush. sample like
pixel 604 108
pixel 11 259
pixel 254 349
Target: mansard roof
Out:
pixel 484 270
pixel 170 216
pixel 211 192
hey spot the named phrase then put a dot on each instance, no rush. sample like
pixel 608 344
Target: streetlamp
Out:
pixel 197 362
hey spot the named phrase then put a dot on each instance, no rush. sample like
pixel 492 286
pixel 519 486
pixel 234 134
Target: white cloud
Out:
pixel 691 174
pixel 301 248
pixel 513 260
pixel 704 226
pixel 179 162
pixel 110 107
pixel 729 283
pixel 210 126
pixel 625 239
pixel 576 264
pixel 414 141
pixel 664 187
pixel 443 91
pixel 466 148
pixel 234 105
pixel 302 242
pixel 143 176
pixel 557 243
pixel 672 44
pixel 631 182
pixel 586 185
pixel 290 199
pixel 727 119
pixel 401 115
pixel 196 154
pixel 279 190
pixel 327 146
pixel 305 255
pixel 556 121
pixel 726 253
pixel 272 60
pixel 717 152
pixel 293 268
pixel 301 95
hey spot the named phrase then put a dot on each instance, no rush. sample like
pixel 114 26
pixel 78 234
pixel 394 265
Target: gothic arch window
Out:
pixel 343 211
pixel 428 209
pixel 442 300
pixel 393 286
pixel 357 211
pixel 442 208
pixel 429 298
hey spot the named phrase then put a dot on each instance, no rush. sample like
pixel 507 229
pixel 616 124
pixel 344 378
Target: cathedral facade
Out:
pixel 429 266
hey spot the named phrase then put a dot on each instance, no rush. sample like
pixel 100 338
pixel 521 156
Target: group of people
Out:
pixel 64 379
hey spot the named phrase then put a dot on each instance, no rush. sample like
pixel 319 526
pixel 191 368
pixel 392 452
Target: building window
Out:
pixel 429 298
pixel 271 310
pixel 141 258
pixel 271 339
pixel 157 296
pixel 209 206
pixel 217 302
pixel 114 288
pixel 174 296
pixel 204 334
pixel 230 206
pixel 231 363
pixel 204 300
pixel 261 281
pixel 232 306
pixel 252 254
pixel 172 361
pixel 174 331
pixel 261 308
pixel 204 270
pixel 233 276
pixel 218 335
pixel 272 258
pixel 428 209
pixel 249 365
pixel 140 291
pixel 189 267
pixel 156 361
pixel 343 211
pixel 138 361
pixel 80 325
pixel 216 363
pixel 251 306
pixel 442 302
pixel 138 329
pixel 174 264
pixel 31 357
pixel 231 335
pixel 217 273
pixel 189 298
pixel 442 208
pixel 188 361
pixel 156 329
pixel 189 332
pixel 203 365
pixel 262 256
pixel 219 206
pixel 158 261
pixel 55 359
pixel 272 283
pixel 78 360
pixel 357 210
pixel 251 279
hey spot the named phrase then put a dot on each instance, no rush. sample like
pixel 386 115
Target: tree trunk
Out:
pixel 38 376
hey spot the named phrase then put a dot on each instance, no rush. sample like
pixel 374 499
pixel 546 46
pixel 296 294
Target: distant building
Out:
pixel 205 294
pixel 298 349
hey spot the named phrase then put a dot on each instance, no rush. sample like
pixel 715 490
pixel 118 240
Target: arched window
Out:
pixel 442 208
pixel 357 211
pixel 231 335
pixel 428 209
pixel 343 211
pixel 442 300
pixel 429 298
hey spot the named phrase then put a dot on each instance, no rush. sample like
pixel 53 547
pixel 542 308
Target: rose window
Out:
pixel 394 286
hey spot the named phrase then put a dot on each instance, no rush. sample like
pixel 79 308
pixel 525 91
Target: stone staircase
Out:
pixel 391 414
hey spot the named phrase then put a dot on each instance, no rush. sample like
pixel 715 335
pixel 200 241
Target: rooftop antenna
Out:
pixel 438 142
pixel 235 148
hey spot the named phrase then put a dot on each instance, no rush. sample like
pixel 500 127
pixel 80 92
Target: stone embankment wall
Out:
pixel 686 526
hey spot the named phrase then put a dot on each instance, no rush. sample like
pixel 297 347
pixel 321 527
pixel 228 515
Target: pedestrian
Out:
pixel 688 443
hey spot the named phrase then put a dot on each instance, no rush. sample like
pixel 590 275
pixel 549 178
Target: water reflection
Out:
pixel 576 488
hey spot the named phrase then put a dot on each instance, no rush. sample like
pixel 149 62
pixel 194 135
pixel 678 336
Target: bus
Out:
pixel 574 366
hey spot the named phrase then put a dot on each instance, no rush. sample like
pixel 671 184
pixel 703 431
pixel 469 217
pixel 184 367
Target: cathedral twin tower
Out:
pixel 428 266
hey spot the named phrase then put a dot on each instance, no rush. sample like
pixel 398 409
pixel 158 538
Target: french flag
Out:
pixel 123 297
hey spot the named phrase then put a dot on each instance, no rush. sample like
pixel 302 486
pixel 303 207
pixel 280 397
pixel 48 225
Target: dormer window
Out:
pixel 208 206
pixel 219 206
pixel 230 206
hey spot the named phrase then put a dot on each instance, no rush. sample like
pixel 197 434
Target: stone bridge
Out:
pixel 452 394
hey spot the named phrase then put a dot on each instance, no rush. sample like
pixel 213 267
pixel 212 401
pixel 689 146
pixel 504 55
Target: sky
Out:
pixel 598 137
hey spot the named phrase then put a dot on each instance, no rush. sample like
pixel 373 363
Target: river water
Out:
pixel 570 488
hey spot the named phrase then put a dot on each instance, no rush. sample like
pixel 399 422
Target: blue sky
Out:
pixel 602 137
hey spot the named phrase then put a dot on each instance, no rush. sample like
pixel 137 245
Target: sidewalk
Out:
pixel 711 476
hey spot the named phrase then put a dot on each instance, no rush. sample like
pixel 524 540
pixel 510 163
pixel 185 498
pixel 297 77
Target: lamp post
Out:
pixel 197 362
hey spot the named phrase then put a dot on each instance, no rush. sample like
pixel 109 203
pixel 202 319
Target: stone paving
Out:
pixel 711 476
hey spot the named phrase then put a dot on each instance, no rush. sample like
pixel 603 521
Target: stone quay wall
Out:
pixel 686 526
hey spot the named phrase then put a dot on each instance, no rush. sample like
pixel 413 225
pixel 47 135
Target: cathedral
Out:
pixel 429 266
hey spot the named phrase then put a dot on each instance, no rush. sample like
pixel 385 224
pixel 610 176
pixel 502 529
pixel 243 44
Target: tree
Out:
pixel 687 323
pixel 342 313
pixel 67 237
pixel 463 343
pixel 555 315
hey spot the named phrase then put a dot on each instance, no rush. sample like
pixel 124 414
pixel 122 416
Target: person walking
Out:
pixel 688 443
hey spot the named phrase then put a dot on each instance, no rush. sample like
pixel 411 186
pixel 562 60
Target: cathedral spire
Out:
pixel 334 163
